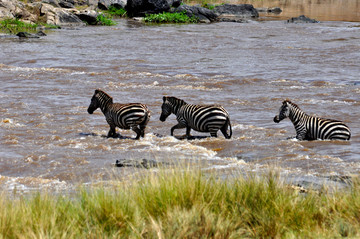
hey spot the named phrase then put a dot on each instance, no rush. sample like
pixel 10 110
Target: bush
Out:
pixel 113 11
pixel 167 17
pixel 105 20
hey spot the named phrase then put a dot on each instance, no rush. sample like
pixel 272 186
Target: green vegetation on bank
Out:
pixel 105 20
pixel 185 204
pixel 167 17
pixel 116 12
pixel 14 26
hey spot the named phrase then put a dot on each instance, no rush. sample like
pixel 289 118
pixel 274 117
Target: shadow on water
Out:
pixel 118 136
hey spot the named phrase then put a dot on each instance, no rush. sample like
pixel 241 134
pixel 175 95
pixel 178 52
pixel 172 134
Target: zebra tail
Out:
pixel 229 124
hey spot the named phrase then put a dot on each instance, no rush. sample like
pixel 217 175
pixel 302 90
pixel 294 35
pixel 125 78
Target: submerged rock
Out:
pixel 141 163
pixel 26 35
pixel 301 19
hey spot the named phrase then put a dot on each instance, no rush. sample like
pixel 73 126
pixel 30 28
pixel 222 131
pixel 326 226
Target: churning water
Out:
pixel 48 140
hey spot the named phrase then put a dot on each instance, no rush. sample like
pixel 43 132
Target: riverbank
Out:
pixel 185 204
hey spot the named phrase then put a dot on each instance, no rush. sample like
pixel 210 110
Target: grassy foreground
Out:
pixel 185 205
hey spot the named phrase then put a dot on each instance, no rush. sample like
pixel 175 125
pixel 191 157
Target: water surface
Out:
pixel 48 140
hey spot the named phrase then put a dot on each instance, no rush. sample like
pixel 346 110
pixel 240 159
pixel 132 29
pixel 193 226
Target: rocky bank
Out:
pixel 80 12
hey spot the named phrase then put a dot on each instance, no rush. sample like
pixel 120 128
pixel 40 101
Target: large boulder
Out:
pixel 236 12
pixel 203 14
pixel 15 9
pixel 59 16
pixel 106 4
pixel 139 8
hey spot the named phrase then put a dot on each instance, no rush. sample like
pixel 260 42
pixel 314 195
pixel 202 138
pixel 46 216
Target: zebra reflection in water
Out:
pixel 125 116
pixel 312 128
pixel 202 118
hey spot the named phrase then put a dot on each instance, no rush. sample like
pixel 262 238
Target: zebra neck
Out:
pixel 176 108
pixel 104 104
pixel 297 116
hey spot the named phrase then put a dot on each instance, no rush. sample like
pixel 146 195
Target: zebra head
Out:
pixel 284 111
pixel 94 103
pixel 170 105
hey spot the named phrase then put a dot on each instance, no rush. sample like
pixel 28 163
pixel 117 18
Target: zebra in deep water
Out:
pixel 125 116
pixel 312 128
pixel 202 118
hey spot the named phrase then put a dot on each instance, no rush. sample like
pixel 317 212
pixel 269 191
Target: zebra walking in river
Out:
pixel 125 116
pixel 202 118
pixel 312 128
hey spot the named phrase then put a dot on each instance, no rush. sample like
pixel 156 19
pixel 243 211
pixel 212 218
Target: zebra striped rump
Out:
pixel 310 127
pixel 133 116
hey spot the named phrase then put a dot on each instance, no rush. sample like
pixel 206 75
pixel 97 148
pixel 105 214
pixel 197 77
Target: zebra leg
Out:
pixel 137 131
pixel 188 129
pixel 142 130
pixel 178 126
pixel 112 132
pixel 213 134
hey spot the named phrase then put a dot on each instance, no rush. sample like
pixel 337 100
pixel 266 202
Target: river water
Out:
pixel 49 141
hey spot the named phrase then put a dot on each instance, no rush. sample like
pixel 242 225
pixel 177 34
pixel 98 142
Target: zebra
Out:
pixel 202 118
pixel 310 127
pixel 125 116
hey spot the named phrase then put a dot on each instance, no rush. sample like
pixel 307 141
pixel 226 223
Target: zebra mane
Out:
pixel 102 95
pixel 174 100
pixel 291 103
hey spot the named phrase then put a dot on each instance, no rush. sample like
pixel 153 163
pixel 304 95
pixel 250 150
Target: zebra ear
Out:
pixel 97 91
pixel 164 99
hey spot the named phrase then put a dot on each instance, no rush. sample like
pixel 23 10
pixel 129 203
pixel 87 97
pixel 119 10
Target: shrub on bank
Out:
pixel 185 204
pixel 167 17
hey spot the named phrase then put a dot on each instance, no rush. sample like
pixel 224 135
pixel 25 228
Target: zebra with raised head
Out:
pixel 133 116
pixel 310 127
pixel 202 118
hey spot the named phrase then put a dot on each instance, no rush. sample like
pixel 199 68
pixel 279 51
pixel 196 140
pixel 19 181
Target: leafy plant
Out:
pixel 105 20
pixel 113 11
pixel 167 17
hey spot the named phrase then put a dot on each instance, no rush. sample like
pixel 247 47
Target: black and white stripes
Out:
pixel 209 118
pixel 133 116
pixel 312 128
pixel 202 118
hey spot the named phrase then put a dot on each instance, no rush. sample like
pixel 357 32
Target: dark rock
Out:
pixel 68 18
pixel 53 3
pixel 40 33
pixel 203 14
pixel 106 4
pixel 139 8
pixel 26 35
pixel 236 12
pixel 90 17
pixel 301 19
pixel 175 3
pixel 142 163
pixel 274 10
pixel 66 4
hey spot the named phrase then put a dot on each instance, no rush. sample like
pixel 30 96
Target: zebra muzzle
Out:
pixel 276 119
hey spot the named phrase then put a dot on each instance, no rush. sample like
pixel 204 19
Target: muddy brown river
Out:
pixel 49 141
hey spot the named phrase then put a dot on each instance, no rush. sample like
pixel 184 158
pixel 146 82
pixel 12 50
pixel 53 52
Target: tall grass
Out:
pixel 185 204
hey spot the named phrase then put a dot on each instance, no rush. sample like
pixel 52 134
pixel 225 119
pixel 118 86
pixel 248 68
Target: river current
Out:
pixel 49 141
